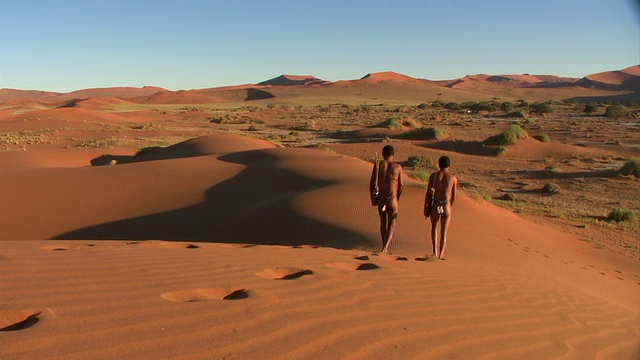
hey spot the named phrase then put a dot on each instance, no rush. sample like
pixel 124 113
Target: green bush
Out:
pixel 509 197
pixel 507 106
pixel 542 137
pixel 631 167
pixel 437 104
pixel 419 161
pixel 508 137
pixel 551 188
pixel 616 112
pixel 482 106
pixel 541 108
pixel 590 109
pixel 452 106
pixel 622 215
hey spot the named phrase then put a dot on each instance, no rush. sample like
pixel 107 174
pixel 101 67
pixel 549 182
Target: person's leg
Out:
pixel 392 225
pixel 392 215
pixel 434 228
pixel 444 226
pixel 383 226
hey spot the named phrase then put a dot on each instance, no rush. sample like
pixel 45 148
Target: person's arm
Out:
pixel 372 182
pixel 400 184
pixel 453 190
pixel 427 196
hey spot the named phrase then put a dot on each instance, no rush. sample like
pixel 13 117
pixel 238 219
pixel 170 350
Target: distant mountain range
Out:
pixel 619 85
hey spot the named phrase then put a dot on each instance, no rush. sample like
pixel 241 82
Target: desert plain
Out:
pixel 235 222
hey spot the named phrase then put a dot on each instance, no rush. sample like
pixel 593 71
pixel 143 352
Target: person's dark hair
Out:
pixel 444 162
pixel 387 151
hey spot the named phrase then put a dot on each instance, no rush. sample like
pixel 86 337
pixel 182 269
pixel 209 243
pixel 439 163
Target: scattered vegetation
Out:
pixel 508 137
pixel 398 123
pixel 622 215
pixel 23 137
pixel 616 112
pixel 425 133
pixel 452 106
pixel 482 106
pixel 631 167
pixel 107 143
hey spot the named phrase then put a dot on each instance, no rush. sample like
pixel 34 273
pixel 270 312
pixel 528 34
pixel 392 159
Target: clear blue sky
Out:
pixel 66 45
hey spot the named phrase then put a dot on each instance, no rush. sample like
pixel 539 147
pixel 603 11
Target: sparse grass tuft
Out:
pixel 542 137
pixel 421 175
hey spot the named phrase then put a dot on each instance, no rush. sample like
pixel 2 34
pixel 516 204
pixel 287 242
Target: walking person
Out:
pixel 438 203
pixel 386 179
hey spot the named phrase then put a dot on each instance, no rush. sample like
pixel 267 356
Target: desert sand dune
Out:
pixel 226 246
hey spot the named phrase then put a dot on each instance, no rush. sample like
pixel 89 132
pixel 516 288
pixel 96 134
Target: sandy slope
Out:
pixel 509 288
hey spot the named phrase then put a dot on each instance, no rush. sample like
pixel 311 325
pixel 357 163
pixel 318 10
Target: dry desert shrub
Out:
pixel 425 133
pixel 631 167
pixel 616 112
pixel 419 161
pixel 398 123
pixel 508 137
pixel 622 215
pixel 551 188
pixel 542 137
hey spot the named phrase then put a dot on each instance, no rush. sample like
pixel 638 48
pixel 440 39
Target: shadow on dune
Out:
pixel 257 94
pixel 255 206
pixel 178 151
pixel 549 175
pixel 463 147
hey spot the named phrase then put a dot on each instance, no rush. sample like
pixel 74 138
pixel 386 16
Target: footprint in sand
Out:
pixel 64 247
pixel 360 257
pixel 18 319
pixel 352 265
pixel 393 257
pixel 157 244
pixel 283 273
pixel 219 293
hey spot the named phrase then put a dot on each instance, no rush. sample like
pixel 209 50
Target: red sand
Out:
pixel 510 288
